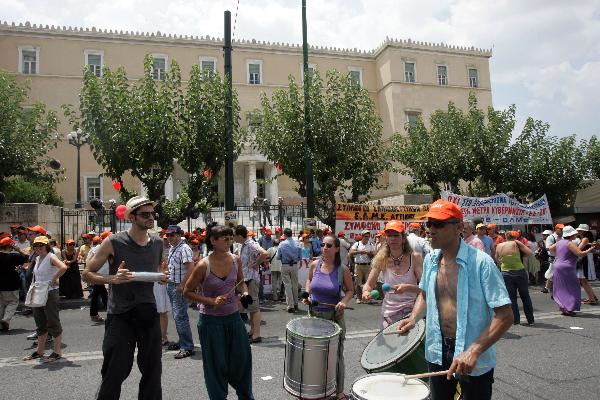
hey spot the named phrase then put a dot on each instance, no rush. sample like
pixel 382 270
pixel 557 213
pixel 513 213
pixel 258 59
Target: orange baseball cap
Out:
pixel 559 226
pixel 358 237
pixel 6 241
pixel 492 226
pixel 105 234
pixel 250 233
pixel 443 210
pixel 414 225
pixel 394 226
pixel 70 241
pixel 268 231
pixel 96 239
pixel 37 229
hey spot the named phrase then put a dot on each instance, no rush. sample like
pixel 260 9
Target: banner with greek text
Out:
pixel 353 218
pixel 501 209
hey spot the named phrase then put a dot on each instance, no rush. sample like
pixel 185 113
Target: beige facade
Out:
pixel 404 78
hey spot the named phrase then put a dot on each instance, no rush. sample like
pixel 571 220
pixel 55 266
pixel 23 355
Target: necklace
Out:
pixel 397 260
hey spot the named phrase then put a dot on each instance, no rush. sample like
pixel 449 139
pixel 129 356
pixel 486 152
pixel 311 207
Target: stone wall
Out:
pixel 30 214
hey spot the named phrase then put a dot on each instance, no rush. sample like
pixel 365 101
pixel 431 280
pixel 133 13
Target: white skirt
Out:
pixel 163 304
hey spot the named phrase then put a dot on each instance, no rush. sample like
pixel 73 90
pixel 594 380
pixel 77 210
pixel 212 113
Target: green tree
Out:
pixel 29 190
pixel 145 128
pixel 592 155
pixel 542 164
pixel 345 144
pixel 26 136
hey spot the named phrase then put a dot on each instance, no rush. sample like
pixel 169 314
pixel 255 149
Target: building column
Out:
pixel 169 188
pixel 273 188
pixel 251 181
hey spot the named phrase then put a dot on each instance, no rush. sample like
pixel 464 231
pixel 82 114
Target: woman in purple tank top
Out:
pixel 323 285
pixel 225 347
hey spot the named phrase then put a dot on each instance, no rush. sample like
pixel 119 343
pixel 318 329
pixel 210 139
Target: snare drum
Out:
pixel 396 353
pixel 386 386
pixel 311 352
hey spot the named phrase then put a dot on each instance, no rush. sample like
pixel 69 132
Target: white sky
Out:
pixel 546 53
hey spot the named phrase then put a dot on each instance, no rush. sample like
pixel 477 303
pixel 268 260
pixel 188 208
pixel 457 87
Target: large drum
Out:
pixel 311 353
pixel 396 353
pixel 387 387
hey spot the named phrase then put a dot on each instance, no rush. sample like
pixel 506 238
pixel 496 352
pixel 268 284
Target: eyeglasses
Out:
pixel 146 214
pixel 439 224
pixel 328 245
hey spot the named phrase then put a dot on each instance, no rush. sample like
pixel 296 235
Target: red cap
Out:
pixel 559 226
pixel 6 241
pixel 341 234
pixel 14 226
pixel 250 233
pixel 105 234
pixel 37 229
pixel 195 242
pixel 277 229
pixel 86 236
pixel 267 232
pixel 443 210
pixel 358 237
pixel 4 235
pixel 414 225
pixel 326 231
pixel 70 241
pixel 492 226
pixel 96 239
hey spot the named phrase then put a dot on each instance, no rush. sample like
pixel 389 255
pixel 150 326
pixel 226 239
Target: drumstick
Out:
pixel 430 374
pixel 233 288
pixel 315 303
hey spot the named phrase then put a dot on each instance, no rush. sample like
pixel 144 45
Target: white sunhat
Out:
pixel 136 202
pixel 583 227
pixel 568 231
pixel 547 232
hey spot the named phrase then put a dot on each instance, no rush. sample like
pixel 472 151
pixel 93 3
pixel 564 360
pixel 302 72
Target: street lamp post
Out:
pixel 78 139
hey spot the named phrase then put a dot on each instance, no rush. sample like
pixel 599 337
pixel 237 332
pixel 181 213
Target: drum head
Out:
pixel 385 350
pixel 313 328
pixel 388 386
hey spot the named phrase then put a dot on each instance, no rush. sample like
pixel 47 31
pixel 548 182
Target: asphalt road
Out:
pixel 557 358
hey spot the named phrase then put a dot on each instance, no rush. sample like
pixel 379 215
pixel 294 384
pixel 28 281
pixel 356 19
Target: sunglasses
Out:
pixel 146 214
pixel 328 245
pixel 439 224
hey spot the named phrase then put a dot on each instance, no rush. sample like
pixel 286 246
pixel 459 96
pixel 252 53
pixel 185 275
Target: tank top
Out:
pixel 44 270
pixel 325 287
pixel 394 303
pixel 214 286
pixel 511 262
pixel 124 297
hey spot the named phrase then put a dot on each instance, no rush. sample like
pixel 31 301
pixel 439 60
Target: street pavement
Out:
pixel 557 358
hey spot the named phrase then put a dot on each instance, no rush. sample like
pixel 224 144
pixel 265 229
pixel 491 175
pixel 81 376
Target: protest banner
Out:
pixel 353 218
pixel 501 209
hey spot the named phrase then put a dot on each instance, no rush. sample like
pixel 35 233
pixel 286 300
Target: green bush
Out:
pixel 21 190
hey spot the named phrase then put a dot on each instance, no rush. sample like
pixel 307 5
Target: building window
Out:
pixel 93 187
pixel 473 78
pixel 254 72
pixel 29 60
pixel 208 64
pixel 409 72
pixel 159 67
pixel 412 118
pixel 93 59
pixel 311 70
pixel 442 75
pixel 260 183
pixel 355 75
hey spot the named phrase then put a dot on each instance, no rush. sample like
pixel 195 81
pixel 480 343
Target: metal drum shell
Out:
pixel 310 368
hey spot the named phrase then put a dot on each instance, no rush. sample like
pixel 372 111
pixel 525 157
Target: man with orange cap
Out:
pixel 467 307
pixel 417 243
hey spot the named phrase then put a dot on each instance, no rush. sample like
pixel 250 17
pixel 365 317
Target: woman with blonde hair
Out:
pixel 401 269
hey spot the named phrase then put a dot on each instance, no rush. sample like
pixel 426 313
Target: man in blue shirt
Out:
pixel 289 254
pixel 467 308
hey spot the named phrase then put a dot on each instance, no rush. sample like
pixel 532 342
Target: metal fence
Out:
pixel 73 223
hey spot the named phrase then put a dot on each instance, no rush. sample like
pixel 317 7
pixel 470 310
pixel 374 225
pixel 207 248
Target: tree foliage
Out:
pixel 477 150
pixel 345 144
pixel 26 136
pixel 31 190
pixel 145 128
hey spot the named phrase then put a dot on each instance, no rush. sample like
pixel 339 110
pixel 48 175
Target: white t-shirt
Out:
pixel 23 246
pixel 363 258
pixel 418 244
pixel 344 248
pixel 104 270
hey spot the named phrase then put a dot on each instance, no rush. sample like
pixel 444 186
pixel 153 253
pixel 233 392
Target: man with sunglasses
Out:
pixel 362 251
pixel 131 316
pixel 467 308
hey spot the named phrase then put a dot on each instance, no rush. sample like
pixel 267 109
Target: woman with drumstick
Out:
pixel 401 268
pixel 225 347
pixel 325 285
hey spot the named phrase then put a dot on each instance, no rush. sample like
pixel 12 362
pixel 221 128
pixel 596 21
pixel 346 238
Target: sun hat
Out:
pixel 365 232
pixel 41 239
pixel 583 227
pixel 547 232
pixel 443 210
pixel 394 225
pixel 135 203
pixel 481 226
pixel 568 231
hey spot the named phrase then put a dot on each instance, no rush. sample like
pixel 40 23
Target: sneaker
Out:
pixel 97 318
pixel 173 347
pixel 33 336
pixel 291 310
pixel 184 354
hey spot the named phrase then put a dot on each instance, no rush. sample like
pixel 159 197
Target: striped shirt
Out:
pixel 179 255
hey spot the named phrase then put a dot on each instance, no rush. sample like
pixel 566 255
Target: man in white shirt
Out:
pixel 417 243
pixel 362 251
pixel 344 248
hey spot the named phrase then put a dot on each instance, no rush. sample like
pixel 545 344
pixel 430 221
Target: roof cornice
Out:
pixel 253 44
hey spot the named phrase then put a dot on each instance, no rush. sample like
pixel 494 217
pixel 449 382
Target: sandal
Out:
pixel 591 302
pixel 33 356
pixel 52 357
pixel 184 354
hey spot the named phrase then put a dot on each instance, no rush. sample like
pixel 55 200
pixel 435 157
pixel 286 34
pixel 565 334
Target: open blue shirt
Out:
pixel 480 289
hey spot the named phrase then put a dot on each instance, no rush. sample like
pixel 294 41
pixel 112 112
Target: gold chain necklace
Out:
pixel 397 260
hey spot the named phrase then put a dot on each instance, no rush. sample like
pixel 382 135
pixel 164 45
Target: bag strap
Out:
pixel 207 262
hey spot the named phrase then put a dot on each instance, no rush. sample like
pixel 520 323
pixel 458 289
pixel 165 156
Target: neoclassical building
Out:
pixel 405 79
